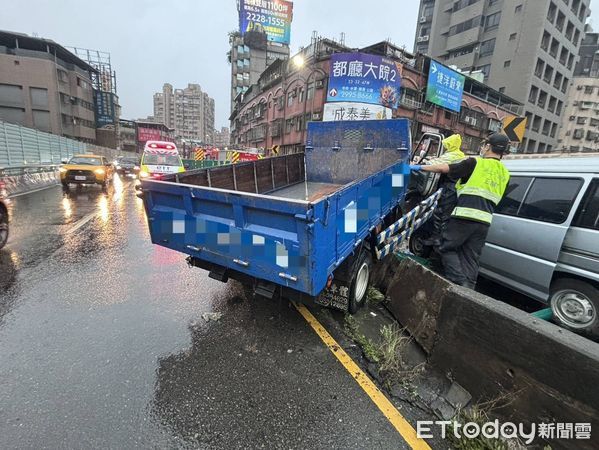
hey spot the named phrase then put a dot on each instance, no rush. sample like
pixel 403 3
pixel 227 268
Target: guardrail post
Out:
pixel 6 144
pixel 39 151
pixel 22 145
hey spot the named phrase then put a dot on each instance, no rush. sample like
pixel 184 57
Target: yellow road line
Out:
pixel 391 413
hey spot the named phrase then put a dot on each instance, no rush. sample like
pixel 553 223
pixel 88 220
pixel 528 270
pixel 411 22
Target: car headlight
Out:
pixel 62 169
pixel 144 174
pixel 99 171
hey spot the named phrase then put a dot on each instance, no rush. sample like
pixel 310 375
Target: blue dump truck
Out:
pixel 307 226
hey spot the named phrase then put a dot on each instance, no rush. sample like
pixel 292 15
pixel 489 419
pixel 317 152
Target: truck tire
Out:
pixel 575 306
pixel 416 243
pixel 359 282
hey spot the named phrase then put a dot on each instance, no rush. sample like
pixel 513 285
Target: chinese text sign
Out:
pixel 445 87
pixel 364 78
pixel 271 16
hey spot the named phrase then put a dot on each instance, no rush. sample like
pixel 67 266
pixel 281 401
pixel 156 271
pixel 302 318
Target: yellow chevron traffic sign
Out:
pixel 514 128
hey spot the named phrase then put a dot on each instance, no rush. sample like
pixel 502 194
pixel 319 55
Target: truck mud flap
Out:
pixel 390 239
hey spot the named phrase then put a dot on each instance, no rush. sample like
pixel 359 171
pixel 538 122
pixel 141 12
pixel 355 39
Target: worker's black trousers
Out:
pixel 447 201
pixel 461 246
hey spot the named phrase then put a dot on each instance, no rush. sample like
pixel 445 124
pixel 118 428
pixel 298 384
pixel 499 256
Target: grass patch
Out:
pixel 374 296
pixel 393 366
pixel 480 414
pixel 388 354
pixel 368 347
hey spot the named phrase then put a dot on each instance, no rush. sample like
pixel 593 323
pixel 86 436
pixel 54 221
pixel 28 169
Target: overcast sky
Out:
pixel 185 41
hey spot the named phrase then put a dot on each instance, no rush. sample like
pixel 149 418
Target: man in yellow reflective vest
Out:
pixel 448 197
pixel 481 185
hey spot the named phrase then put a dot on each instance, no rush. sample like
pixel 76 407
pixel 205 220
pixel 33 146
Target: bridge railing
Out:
pixel 21 146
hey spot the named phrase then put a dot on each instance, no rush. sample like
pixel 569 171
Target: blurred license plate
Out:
pixel 80 178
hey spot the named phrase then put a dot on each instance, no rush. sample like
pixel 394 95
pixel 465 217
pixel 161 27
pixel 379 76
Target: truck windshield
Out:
pixel 165 160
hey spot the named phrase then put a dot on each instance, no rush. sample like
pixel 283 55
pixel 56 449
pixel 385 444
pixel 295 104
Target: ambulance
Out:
pixel 160 158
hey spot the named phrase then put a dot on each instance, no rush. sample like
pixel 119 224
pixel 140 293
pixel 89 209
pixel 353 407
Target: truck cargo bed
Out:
pixel 255 218
pixel 307 190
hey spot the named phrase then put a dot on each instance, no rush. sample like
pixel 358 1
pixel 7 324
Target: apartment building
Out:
pixel 526 49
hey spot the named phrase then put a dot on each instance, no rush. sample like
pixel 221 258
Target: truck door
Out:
pixel 429 147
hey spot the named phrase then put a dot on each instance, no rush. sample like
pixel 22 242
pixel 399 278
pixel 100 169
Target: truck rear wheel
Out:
pixel 359 282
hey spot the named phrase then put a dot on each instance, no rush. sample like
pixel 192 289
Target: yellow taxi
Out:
pixel 86 169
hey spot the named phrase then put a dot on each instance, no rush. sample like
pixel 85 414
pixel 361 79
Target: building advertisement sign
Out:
pixel 104 102
pixel 354 111
pixel 445 87
pixel 364 78
pixel 271 16
pixel 148 134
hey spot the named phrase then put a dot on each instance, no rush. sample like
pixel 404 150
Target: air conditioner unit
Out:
pixel 422 38
pixel 319 84
pixel 316 116
pixel 423 19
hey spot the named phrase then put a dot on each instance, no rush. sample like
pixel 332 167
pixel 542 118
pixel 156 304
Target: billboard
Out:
pixel 271 16
pixel 364 78
pixel 145 134
pixel 354 111
pixel 104 102
pixel 445 87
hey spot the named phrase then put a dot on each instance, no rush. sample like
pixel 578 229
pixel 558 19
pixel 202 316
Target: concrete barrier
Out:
pixel 491 348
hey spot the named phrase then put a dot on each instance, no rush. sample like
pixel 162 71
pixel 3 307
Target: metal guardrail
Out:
pixel 391 238
pixel 22 170
pixel 21 146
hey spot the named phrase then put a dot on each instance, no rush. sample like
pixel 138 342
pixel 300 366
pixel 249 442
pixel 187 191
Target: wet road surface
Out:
pixel 103 344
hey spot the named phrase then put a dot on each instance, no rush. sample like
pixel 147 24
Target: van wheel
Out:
pixel 359 284
pixel 575 306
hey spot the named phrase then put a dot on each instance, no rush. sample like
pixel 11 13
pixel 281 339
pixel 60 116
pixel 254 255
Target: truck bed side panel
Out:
pixel 260 236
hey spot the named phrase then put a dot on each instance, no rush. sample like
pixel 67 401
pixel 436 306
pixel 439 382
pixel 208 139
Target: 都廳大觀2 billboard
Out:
pixel 364 78
pixel 445 87
pixel 270 16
